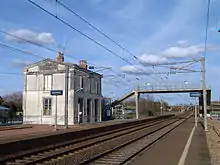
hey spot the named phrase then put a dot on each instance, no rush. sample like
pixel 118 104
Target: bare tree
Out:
pixel 1 100
pixel 15 99
pixel 147 106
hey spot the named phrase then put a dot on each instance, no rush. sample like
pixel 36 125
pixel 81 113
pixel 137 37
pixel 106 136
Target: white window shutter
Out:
pixel 49 81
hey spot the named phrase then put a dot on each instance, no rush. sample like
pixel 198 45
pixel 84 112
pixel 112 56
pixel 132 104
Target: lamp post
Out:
pixel 195 113
pixel 137 96
pixel 161 106
pixel 148 84
pixel 66 96
pixel 204 93
pixel 186 82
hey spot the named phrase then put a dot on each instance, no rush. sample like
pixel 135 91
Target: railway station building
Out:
pixel 84 92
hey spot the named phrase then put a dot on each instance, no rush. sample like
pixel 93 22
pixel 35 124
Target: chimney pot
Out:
pixel 83 64
pixel 60 57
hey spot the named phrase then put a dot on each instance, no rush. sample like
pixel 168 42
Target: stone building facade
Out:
pixel 84 92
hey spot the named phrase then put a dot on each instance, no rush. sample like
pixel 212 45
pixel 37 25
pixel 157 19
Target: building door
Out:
pixel 80 110
pixel 88 110
pixel 96 109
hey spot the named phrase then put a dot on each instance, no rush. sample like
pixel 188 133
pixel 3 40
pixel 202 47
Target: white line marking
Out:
pixel 186 149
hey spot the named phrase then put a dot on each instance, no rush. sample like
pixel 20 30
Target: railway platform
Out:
pixel 172 140
pixel 182 146
pixel 38 138
pixel 24 132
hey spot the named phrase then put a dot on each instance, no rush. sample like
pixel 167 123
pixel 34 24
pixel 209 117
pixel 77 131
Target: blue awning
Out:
pixel 4 108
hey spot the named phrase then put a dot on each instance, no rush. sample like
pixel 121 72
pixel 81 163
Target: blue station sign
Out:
pixel 56 92
pixel 195 94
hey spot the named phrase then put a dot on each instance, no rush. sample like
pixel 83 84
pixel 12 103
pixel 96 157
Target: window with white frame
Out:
pixel 47 82
pixel 81 82
pixel 96 87
pixel 47 106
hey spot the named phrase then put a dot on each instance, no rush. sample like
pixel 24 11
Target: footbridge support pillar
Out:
pixel 137 97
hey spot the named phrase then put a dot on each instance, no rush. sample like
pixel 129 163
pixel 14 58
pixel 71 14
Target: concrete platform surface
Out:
pixel 36 131
pixel 198 151
pixel 33 131
pixel 44 137
pixel 169 150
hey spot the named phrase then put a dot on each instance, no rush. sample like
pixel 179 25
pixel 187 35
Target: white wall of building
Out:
pixel 34 93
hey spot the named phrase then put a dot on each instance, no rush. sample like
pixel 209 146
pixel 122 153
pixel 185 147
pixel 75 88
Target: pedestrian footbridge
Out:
pixel 174 88
pixel 170 88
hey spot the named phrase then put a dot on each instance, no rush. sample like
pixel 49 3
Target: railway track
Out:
pixel 127 152
pixel 98 149
pixel 67 140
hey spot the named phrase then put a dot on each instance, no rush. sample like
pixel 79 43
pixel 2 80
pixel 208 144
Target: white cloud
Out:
pixel 17 63
pixel 181 52
pixel 182 42
pixel 130 69
pixel 152 59
pixel 135 69
pixel 39 38
pixel 187 51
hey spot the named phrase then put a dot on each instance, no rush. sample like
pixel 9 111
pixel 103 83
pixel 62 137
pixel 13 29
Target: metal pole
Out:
pixel 78 112
pixel 123 112
pixel 137 104
pixel 161 107
pixel 195 113
pixel 25 96
pixel 100 110
pixel 56 115
pixel 66 95
pixel 204 93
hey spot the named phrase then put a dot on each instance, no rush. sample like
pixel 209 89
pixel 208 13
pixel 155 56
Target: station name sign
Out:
pixel 195 94
pixel 56 92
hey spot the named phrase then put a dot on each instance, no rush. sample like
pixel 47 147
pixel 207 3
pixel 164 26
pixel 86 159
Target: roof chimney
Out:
pixel 83 64
pixel 60 57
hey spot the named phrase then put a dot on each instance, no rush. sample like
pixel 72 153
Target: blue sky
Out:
pixel 155 31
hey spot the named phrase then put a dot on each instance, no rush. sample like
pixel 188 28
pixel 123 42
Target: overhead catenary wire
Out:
pixel 88 37
pixel 20 50
pixel 97 29
pixel 100 31
pixel 11 48
pixel 172 63
pixel 26 52
pixel 79 31
pixel 34 43
pixel 85 35
pixel 206 28
pixel 28 41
